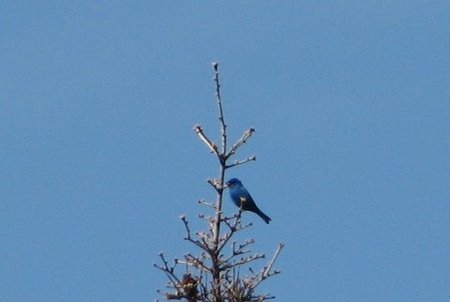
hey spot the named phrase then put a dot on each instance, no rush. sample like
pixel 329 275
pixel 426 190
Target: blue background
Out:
pixel 350 101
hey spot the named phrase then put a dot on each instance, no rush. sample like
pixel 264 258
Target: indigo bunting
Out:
pixel 242 198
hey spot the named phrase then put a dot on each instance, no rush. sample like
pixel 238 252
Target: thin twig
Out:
pixel 206 203
pixel 223 125
pixel 266 272
pixel 244 138
pixel 189 237
pixel 272 262
pixel 216 183
pixel 211 145
pixel 195 262
pixel 168 270
pixel 241 162
pixel 243 260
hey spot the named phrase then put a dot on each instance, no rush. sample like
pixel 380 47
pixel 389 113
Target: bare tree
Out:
pixel 217 274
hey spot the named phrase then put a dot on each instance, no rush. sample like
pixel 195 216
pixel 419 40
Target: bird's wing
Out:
pixel 247 199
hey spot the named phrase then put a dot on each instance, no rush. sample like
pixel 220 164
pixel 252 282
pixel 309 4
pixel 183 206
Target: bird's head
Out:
pixel 233 182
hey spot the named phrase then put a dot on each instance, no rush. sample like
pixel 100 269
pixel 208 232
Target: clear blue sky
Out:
pixel 351 105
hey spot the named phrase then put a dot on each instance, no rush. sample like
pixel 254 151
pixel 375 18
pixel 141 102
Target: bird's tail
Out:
pixel 263 216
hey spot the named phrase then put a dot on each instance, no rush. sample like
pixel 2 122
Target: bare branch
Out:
pixel 245 136
pixel 234 227
pixel 196 262
pixel 223 125
pixel 189 238
pixel 272 262
pixel 211 145
pixel 216 183
pixel 206 203
pixel 241 162
pixel 267 271
pixel 168 270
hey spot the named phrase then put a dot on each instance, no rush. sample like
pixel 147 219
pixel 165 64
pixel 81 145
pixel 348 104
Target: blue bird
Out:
pixel 242 198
